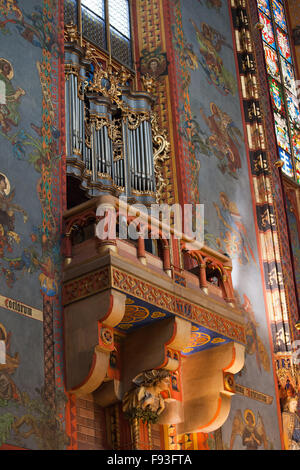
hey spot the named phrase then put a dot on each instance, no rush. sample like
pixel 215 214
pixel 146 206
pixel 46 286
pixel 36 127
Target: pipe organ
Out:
pixel 111 140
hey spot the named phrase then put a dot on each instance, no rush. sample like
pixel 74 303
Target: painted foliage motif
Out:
pixel 38 148
pixel 31 258
pixel 31 417
pixel 29 246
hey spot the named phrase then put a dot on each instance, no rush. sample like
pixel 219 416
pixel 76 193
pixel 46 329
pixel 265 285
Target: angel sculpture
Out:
pixel 253 434
pixel 147 394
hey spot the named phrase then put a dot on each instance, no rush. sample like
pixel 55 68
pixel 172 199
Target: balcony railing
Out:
pixel 186 261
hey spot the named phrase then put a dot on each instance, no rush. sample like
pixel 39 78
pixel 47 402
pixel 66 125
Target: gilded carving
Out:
pixel 71 33
pixel 145 401
pixel 149 83
pixel 161 155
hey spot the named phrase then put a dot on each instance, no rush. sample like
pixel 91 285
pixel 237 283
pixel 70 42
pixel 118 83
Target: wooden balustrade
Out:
pixel 212 268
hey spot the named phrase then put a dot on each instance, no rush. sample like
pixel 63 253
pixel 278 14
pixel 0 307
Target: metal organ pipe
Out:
pixel 142 152
pixel 145 159
pixel 149 150
pixel 139 160
pixel 68 116
pixel 108 151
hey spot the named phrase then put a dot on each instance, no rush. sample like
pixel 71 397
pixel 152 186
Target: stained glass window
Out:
pixel 282 132
pixel 263 5
pixel 106 23
pixel 279 15
pixel 267 32
pixel 293 108
pixel 283 44
pixel 272 62
pixel 288 75
pixel 282 84
pixel 277 96
pixel 297 168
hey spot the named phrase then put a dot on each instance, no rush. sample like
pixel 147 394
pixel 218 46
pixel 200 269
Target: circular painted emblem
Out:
pixel 106 336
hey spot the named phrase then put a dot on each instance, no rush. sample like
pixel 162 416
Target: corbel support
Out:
pixel 147 349
pixel 206 399
pixel 88 332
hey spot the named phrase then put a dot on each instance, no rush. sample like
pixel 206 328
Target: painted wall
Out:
pixel 294 228
pixel 31 392
pixel 215 162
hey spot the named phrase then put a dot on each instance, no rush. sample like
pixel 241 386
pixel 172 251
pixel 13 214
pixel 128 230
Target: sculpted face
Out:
pixel 153 65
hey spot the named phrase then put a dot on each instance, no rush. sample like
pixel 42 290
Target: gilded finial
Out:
pixel 71 32
pixel 124 76
pixel 148 82
pixel 89 52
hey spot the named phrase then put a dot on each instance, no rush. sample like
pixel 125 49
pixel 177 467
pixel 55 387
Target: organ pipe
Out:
pixel 108 138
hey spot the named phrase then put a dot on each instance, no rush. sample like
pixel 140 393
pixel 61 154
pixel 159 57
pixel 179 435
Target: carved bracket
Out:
pixel 147 349
pixel 207 397
pixel 89 339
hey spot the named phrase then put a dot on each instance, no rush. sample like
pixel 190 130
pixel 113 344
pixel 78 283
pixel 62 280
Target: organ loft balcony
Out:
pixel 150 323
pixel 162 306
